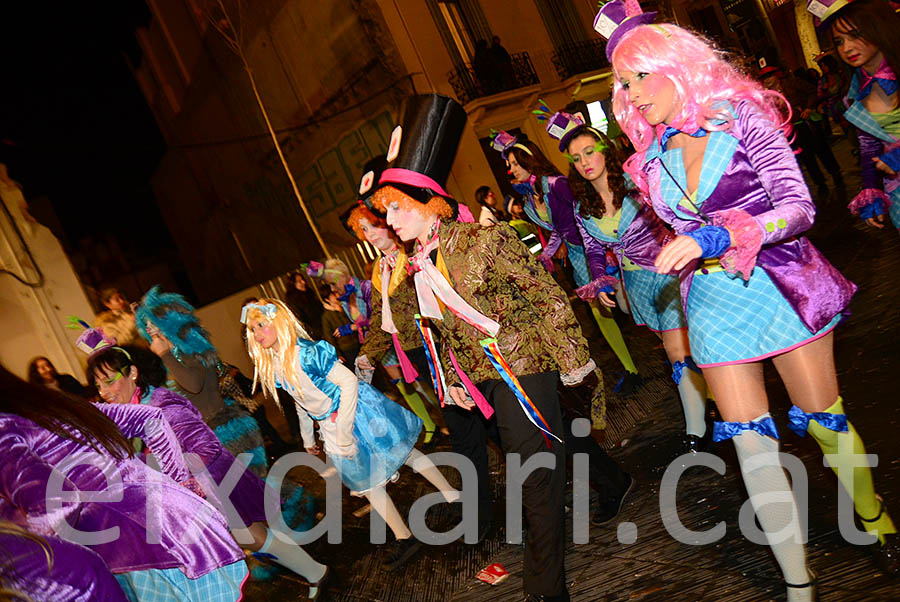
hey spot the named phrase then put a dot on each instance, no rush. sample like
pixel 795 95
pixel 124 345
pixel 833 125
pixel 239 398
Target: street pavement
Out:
pixel 635 557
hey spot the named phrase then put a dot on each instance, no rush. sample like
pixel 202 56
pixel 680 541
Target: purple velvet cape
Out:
pixel 762 178
pixel 196 437
pixel 185 532
pixel 640 240
pixel 77 573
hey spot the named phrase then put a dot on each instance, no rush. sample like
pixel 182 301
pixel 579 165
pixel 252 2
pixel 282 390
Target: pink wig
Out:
pixel 702 78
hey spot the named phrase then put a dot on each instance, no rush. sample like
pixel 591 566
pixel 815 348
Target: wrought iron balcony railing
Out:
pixel 477 81
pixel 580 57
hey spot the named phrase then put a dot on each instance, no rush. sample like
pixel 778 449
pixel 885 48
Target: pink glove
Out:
pixel 592 290
pixel 547 260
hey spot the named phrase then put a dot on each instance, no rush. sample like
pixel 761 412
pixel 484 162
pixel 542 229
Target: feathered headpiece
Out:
pixel 173 316
pixel 92 340
pixel 561 126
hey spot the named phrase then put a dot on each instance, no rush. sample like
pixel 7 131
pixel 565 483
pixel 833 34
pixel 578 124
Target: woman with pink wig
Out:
pixel 713 159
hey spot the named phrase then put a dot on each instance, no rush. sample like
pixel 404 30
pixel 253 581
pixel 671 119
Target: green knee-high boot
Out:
pixel 613 336
pixel 841 446
pixel 415 403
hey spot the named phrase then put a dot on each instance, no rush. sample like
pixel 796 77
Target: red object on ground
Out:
pixel 493 574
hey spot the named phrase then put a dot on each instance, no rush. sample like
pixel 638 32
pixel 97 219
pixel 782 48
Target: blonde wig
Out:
pixel 268 363
pixel 335 271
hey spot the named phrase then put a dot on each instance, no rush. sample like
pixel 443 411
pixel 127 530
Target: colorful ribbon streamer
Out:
pixel 531 412
pixel 433 361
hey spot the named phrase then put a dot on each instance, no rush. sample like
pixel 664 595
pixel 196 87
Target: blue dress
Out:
pixel 384 431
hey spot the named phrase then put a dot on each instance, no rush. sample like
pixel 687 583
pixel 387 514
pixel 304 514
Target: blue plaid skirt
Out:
pixel 655 299
pixel 579 264
pixel 731 321
pixel 166 585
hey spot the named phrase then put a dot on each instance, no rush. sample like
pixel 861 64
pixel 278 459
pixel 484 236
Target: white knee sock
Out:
pixel 383 504
pixel 692 390
pixel 293 557
pixel 770 479
pixel 425 467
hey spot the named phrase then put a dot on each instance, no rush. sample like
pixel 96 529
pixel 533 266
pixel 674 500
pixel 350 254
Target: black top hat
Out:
pixel 422 149
pixel 368 183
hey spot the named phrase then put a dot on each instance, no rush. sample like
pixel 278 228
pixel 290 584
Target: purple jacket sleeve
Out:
pixel 870 147
pixel 75 573
pixel 773 160
pixel 562 208
pixel 365 289
pixel 594 249
pixel 149 424
pixel 23 483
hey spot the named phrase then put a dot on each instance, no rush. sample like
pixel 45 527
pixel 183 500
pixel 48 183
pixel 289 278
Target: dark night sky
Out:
pixel 83 134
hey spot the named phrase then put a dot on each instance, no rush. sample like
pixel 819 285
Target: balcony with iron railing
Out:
pixel 580 57
pixel 471 82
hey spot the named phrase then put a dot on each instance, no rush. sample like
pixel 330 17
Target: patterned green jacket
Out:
pixel 404 307
pixel 494 272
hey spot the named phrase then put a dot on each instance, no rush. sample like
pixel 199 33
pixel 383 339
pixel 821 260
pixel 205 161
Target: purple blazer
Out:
pixel 77 574
pixel 641 237
pixel 160 523
pixel 196 437
pixel 751 167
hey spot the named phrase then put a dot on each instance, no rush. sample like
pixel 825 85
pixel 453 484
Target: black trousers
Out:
pixel 605 476
pixel 469 432
pixel 543 491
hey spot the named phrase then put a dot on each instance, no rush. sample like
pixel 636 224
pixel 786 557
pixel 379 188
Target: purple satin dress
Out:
pixel 77 574
pixel 159 523
pixel 195 437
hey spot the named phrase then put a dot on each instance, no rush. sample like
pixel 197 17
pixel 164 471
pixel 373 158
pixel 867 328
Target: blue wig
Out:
pixel 174 317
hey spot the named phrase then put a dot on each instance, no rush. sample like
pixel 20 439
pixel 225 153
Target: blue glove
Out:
pixel 346 329
pixel 349 289
pixel 524 188
pixel 892 159
pixel 713 240
pixel 871 210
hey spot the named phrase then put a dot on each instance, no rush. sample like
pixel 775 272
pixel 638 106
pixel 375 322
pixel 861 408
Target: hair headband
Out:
pixel 523 147
pixel 128 355
pixel 269 310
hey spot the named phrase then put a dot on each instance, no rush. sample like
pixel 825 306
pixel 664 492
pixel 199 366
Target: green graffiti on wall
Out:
pixel 332 180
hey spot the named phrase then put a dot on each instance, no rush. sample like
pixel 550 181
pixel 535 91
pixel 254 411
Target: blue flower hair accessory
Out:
pixel 269 310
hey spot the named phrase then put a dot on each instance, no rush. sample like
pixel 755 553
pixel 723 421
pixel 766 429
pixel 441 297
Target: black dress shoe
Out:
pixel 628 384
pixel 321 594
pixel 400 551
pixel 610 508
pixel 887 554
pixel 692 444
pixel 812 585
